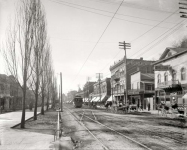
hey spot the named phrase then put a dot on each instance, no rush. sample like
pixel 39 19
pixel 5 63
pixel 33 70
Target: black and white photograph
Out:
pixel 93 74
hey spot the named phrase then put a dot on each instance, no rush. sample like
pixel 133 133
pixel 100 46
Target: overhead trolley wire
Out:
pixel 153 40
pixel 98 40
pixel 112 12
pixel 135 6
pixel 63 3
pixel 157 41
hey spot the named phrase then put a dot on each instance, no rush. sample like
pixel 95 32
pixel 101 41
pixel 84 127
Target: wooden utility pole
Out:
pixel 61 92
pixel 125 46
pixel 88 90
pixel 99 76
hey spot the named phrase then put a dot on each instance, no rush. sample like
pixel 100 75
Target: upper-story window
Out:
pixel 159 78
pixel 138 85
pixel 166 77
pixel 132 86
pixel 174 75
pixel 183 73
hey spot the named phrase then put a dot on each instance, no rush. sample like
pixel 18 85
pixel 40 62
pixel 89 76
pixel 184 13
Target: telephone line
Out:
pixel 108 16
pixel 149 43
pixel 112 12
pixel 98 40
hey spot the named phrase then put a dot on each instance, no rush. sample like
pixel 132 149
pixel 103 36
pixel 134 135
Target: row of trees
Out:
pixel 27 54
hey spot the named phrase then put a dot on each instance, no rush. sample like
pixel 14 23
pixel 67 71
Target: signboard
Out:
pixel 162 68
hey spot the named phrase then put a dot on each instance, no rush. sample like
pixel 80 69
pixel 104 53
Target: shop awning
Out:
pixel 102 98
pixel 85 99
pixel 185 96
pixel 109 99
pixel 93 99
pixel 96 99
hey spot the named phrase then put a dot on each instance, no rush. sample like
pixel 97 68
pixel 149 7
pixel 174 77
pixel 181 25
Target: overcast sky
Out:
pixel 84 34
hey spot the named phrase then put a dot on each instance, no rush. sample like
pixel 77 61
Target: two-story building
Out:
pixel 102 91
pixel 171 75
pixel 118 76
pixel 142 89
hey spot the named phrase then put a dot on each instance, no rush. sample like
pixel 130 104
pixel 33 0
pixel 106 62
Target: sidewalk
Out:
pixel 14 139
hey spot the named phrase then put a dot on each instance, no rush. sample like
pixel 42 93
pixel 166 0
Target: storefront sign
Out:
pixel 161 68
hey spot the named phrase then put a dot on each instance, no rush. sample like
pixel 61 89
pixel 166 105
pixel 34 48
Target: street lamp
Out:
pixel 125 46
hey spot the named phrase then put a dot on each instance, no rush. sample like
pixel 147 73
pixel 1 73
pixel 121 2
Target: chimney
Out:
pixel 141 58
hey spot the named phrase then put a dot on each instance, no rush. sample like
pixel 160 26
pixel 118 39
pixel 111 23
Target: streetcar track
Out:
pixel 156 132
pixel 81 123
pixel 130 139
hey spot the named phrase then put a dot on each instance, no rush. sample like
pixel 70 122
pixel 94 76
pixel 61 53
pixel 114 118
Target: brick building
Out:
pixel 118 82
pixel 102 91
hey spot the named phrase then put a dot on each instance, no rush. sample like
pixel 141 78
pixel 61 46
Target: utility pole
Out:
pixel 125 46
pixel 99 76
pixel 183 9
pixel 61 92
pixel 88 90
pixel 59 97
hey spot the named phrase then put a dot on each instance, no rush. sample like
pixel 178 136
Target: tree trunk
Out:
pixel 42 108
pixel 36 91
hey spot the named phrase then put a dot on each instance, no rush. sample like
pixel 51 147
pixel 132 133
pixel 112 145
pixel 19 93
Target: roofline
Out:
pixel 159 61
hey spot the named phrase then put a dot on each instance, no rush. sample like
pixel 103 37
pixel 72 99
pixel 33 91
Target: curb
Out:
pixel 25 120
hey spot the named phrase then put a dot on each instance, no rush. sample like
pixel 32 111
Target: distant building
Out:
pixel 4 91
pixel 102 90
pixel 171 75
pixel 87 90
pixel 118 82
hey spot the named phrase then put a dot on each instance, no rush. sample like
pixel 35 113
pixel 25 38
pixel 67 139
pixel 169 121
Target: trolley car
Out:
pixel 78 101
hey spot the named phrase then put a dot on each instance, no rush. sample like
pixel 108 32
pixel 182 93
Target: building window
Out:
pixel 138 85
pixel 174 75
pixel 159 78
pixel 183 74
pixel 166 77
pixel 132 86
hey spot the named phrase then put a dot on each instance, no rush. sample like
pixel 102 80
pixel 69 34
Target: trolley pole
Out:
pixel 125 46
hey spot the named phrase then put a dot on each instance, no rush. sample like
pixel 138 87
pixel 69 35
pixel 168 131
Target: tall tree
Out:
pixel 18 48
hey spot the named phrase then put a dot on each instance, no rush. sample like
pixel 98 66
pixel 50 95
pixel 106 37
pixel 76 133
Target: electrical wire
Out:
pixel 98 41
pixel 107 15
pixel 112 12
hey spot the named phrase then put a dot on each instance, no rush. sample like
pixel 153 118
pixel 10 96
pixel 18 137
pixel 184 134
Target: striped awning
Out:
pixel 109 99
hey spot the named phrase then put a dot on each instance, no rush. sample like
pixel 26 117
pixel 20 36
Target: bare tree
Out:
pixel 19 47
pixel 45 78
pixel 40 42
pixel 181 43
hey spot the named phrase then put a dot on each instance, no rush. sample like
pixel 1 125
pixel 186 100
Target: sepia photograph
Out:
pixel 93 74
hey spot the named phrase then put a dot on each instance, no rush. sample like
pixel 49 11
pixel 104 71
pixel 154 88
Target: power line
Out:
pixel 149 43
pixel 106 15
pixel 98 40
pixel 135 6
pixel 111 12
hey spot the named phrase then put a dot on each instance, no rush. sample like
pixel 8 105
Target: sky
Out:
pixel 85 34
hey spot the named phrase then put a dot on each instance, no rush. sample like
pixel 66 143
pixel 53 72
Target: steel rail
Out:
pixel 142 145
pixel 160 134
pixel 105 147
